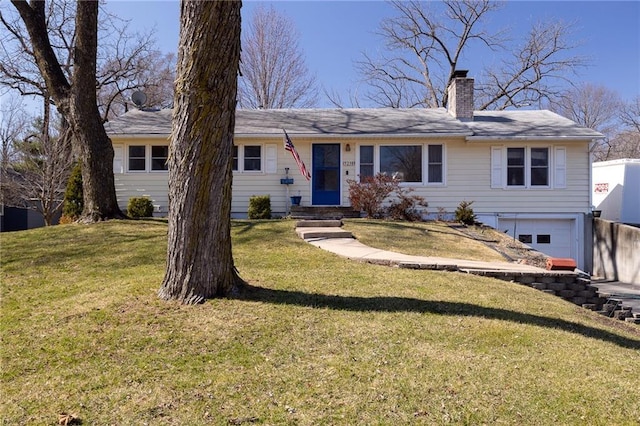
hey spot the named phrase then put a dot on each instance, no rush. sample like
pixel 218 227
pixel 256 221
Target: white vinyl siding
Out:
pixel 472 172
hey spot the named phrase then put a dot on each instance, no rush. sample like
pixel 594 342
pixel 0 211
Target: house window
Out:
pixel 366 161
pixel 435 164
pixel 525 238
pixel 543 239
pixel 159 156
pixel 539 166
pixel 252 158
pixel 137 158
pixel 403 162
pixel 515 166
pixel 235 158
pixel 528 167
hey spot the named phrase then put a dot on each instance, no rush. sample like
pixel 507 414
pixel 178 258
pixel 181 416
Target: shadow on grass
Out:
pixel 404 304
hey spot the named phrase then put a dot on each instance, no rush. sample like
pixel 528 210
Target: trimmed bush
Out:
pixel 464 213
pixel 139 207
pixel 73 197
pixel 371 192
pixel 259 207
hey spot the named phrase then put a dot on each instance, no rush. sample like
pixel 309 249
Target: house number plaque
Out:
pixel 348 163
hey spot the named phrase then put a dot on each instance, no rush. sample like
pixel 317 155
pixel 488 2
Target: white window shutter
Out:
pixel 118 160
pixel 271 158
pixel 497 171
pixel 560 167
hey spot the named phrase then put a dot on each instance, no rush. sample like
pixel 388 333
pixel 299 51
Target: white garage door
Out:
pixel 553 237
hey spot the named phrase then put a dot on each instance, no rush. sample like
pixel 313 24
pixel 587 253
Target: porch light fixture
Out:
pixel 347 147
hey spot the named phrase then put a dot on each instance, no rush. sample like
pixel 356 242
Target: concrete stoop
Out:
pixel 320 228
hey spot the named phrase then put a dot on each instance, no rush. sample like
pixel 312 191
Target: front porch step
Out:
pixel 324 223
pixel 324 233
pixel 312 212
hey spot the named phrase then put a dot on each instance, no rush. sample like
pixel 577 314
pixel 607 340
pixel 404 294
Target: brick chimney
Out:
pixel 460 103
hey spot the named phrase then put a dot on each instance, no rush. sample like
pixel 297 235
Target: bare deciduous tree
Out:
pixel 424 49
pixel 154 74
pixel 273 70
pixel 627 143
pixel 595 107
pixel 13 124
pixel 76 101
pixel 199 259
pixel 38 176
pixel 126 61
pixel 600 108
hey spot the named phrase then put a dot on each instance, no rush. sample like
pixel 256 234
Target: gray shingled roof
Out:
pixel 526 124
pixel 371 122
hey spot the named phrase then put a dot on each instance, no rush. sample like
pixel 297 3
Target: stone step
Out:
pixel 312 212
pixel 320 223
pixel 313 233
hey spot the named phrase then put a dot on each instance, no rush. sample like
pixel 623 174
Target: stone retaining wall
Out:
pixel 571 287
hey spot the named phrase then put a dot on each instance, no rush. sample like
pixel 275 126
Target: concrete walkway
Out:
pixel 329 236
pixel 332 238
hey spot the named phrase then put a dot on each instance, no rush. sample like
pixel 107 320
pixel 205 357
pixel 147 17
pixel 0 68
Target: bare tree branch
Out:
pixel 273 70
pixel 423 49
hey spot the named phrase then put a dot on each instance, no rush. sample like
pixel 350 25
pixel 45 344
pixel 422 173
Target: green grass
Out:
pixel 420 239
pixel 316 339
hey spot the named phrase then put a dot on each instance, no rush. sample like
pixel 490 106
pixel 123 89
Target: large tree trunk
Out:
pixel 199 258
pixel 77 103
pixel 95 148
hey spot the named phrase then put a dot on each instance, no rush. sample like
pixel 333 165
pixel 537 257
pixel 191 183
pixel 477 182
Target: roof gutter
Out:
pixel 531 138
pixel 353 136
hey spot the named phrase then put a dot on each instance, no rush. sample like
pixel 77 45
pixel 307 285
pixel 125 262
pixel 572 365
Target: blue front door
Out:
pixel 325 176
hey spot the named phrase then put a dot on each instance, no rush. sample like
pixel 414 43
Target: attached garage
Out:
pixel 553 237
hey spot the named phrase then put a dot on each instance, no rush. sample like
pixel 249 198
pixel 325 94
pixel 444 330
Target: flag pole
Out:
pixel 288 199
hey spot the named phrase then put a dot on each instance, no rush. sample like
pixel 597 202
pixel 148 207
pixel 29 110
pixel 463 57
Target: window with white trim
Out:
pixel 528 167
pixel 144 158
pixel 435 164
pixel 424 164
pixel 539 166
pixel 255 158
pixel 159 157
pixel 515 167
pixel 252 158
pixel 137 158
pixel 403 162
pixel 366 161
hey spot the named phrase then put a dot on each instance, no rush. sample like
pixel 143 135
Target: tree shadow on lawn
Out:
pixel 404 304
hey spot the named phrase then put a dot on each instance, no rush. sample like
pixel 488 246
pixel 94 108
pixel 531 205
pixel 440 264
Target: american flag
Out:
pixel 288 145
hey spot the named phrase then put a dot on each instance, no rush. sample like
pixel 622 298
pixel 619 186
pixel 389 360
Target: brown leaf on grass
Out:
pixel 66 419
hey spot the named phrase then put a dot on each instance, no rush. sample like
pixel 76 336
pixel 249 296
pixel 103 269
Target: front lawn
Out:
pixel 315 339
